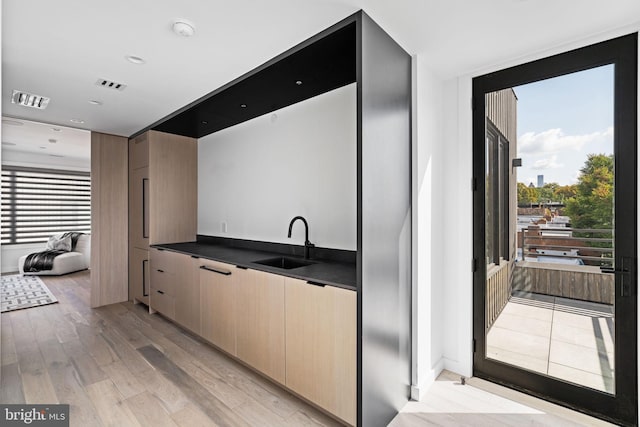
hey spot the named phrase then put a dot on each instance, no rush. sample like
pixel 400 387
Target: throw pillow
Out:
pixel 59 243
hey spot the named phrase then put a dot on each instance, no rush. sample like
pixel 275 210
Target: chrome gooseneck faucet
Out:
pixel 307 243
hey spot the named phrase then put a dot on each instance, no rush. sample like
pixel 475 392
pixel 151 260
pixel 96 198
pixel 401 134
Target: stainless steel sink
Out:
pixel 284 262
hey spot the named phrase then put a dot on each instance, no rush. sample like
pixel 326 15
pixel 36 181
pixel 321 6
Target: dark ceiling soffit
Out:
pixel 325 62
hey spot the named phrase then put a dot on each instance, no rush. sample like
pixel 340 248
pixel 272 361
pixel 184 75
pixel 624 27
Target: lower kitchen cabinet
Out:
pixel 187 292
pixel 260 321
pixel 320 338
pixel 218 304
pixel 139 274
pixel 299 334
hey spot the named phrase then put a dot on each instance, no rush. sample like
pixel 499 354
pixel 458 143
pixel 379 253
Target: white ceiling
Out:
pixel 60 48
pixel 46 140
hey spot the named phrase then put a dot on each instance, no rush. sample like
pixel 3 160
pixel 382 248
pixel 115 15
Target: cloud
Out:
pixel 549 163
pixel 554 140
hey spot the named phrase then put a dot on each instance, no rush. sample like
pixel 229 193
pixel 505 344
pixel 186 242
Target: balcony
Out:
pixel 552 310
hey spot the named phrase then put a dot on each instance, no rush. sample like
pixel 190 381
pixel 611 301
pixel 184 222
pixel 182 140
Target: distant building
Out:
pixel 531 185
pixel 540 181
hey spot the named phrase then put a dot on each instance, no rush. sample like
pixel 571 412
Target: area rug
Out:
pixel 18 292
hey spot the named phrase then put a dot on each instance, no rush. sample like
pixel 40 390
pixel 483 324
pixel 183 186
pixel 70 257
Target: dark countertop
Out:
pixel 333 273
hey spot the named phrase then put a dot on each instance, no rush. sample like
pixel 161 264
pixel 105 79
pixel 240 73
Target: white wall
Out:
pixel 428 234
pixel 9 254
pixel 301 160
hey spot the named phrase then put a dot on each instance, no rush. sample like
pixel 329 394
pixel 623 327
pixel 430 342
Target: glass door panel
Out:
pixel 549 227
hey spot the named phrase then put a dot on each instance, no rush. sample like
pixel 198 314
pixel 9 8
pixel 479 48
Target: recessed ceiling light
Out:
pixel 135 59
pixel 8 143
pixel 298 82
pixel 94 102
pixel 53 141
pixel 29 100
pixel 76 121
pixel 183 28
pixel 12 122
pixel 243 105
pixel 43 148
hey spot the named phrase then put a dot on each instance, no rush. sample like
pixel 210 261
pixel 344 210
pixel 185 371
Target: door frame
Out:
pixel 623 53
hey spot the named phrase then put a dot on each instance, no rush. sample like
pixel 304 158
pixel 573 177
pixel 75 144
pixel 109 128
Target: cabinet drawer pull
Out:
pixel 160 292
pixel 195 257
pixel 213 270
pixel 160 271
pixel 145 208
pixel 241 267
pixel 145 263
pixel 322 285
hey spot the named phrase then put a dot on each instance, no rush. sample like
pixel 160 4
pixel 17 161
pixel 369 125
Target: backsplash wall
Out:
pixel 253 178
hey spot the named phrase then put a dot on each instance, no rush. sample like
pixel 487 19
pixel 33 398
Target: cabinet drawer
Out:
pixel 164 260
pixel 163 281
pixel 162 302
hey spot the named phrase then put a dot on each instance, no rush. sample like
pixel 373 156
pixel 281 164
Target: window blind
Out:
pixel 38 203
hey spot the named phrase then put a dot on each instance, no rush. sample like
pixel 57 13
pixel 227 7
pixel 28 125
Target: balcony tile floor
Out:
pixel 568 339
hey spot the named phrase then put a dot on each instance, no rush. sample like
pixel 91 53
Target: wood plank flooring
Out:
pixel 120 366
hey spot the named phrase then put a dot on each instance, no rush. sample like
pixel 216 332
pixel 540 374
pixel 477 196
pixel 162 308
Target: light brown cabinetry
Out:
pixel 140 274
pixel 321 346
pixel 260 321
pixel 175 287
pixel 218 305
pixel 109 178
pixel 163 279
pixel 162 196
pixel 300 335
pixel 187 292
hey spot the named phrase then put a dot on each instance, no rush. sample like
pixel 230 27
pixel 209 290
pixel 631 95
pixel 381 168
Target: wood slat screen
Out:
pixel 38 203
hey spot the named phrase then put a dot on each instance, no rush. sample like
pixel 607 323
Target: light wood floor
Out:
pixel 120 366
pixel 481 403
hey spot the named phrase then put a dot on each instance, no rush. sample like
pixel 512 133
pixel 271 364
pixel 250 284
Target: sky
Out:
pixel 560 121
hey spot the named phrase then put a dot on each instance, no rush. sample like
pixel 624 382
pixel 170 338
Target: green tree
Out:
pixel 592 204
pixel 546 192
pixel 526 195
pixel 565 192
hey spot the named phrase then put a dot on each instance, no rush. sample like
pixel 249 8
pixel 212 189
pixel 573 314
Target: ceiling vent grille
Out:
pixel 29 100
pixel 109 84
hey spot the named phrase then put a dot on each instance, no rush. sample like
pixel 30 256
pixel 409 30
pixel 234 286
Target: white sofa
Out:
pixel 68 262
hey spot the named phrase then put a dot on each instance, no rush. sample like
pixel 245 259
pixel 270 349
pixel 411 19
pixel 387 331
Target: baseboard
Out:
pixel 418 391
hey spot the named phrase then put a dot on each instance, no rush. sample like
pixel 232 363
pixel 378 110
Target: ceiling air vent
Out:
pixel 29 100
pixel 110 84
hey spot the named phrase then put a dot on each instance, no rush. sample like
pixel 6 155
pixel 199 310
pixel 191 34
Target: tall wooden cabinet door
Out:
pixel 260 321
pixel 109 226
pixel 173 170
pixel 218 304
pixel 139 274
pixel 321 346
pixel 187 292
pixel 139 208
